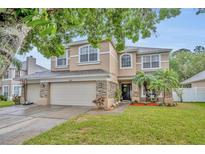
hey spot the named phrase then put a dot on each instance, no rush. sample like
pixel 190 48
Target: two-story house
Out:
pixel 10 85
pixel 85 73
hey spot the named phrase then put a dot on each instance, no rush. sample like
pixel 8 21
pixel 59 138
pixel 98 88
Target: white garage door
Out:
pixel 82 93
pixel 33 93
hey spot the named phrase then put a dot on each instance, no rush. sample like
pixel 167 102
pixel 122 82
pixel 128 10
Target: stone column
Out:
pixel 23 92
pixel 135 92
pixel 106 89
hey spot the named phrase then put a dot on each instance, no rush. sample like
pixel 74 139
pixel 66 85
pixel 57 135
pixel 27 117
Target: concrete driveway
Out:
pixel 18 123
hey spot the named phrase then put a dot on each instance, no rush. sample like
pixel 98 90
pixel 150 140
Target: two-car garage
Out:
pixel 79 93
pixel 64 93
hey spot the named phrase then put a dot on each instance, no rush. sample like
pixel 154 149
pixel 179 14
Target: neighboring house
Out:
pixel 85 73
pixel 10 85
pixel 197 80
pixel 195 91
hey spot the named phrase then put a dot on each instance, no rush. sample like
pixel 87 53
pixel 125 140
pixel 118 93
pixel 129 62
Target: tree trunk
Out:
pixel 146 90
pixel 164 97
pixel 11 41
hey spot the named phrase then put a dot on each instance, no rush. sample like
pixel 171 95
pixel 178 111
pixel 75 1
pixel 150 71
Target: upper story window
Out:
pixel 6 75
pixel 88 54
pixel 17 73
pixel 150 61
pixel 126 60
pixel 62 61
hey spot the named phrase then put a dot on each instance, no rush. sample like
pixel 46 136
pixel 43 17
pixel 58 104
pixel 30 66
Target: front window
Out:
pixel 151 61
pixel 6 91
pixel 126 61
pixel 17 91
pixel 88 54
pixel 62 61
pixel 6 75
pixel 17 73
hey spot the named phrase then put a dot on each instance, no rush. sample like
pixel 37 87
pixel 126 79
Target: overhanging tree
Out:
pixel 49 29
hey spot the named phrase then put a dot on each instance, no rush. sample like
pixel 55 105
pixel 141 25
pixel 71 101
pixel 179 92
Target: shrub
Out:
pixel 3 98
pixel 17 100
pixel 118 95
pixel 134 102
pixel 99 102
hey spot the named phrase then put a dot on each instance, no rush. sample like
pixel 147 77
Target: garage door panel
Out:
pixel 73 93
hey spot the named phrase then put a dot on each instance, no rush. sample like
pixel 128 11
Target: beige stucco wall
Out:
pixel 104 59
pixel 53 64
pixel 114 63
pixel 74 64
pixel 198 84
pixel 128 71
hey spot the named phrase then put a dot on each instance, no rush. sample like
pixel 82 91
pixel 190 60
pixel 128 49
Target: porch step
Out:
pixel 126 101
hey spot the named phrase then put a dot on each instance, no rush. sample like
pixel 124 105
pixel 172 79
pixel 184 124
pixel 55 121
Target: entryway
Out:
pixel 126 90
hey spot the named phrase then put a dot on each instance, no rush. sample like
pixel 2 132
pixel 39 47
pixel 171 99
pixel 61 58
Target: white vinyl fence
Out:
pixel 196 94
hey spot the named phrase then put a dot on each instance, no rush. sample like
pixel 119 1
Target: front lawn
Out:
pixel 184 124
pixel 6 103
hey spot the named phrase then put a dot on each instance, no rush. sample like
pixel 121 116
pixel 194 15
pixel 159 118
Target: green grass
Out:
pixel 6 103
pixel 184 124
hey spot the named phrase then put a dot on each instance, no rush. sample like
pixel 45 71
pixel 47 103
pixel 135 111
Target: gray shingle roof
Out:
pixel 40 68
pixel 139 50
pixel 146 50
pixel 198 77
pixel 62 74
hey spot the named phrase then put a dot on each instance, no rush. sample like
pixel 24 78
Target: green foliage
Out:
pixel 118 95
pixel 3 98
pixel 168 77
pixel 16 100
pixel 169 81
pixel 17 63
pixel 6 103
pixel 143 79
pixel 157 85
pixel 186 63
pixel 51 28
pixel 161 81
pixel 199 49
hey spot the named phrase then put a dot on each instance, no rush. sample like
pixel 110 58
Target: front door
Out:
pixel 126 88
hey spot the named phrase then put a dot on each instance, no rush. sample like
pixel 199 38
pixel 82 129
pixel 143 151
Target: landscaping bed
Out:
pixel 144 104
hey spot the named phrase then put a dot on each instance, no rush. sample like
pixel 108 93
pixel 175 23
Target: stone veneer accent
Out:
pixel 44 89
pixel 22 99
pixel 112 87
pixel 135 94
pixel 106 89
pixel 101 89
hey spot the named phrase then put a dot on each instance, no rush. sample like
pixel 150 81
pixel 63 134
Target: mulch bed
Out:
pixel 142 104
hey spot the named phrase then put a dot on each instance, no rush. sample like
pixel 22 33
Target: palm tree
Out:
pixel 143 79
pixel 156 86
pixel 17 63
pixel 169 79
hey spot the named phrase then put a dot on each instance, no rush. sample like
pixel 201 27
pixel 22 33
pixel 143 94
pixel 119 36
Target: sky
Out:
pixel 184 31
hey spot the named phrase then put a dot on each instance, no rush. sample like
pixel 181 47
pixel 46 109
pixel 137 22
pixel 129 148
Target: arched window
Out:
pixel 88 54
pixel 126 60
